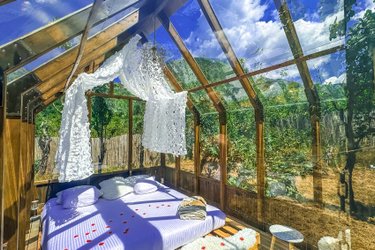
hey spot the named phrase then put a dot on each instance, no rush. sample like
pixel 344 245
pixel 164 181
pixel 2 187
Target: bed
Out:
pixel 146 222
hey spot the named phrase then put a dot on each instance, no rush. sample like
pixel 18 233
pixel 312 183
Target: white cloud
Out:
pixel 259 39
pixel 336 80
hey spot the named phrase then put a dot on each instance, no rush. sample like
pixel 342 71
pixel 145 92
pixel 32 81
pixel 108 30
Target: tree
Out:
pixel 101 117
pixel 359 115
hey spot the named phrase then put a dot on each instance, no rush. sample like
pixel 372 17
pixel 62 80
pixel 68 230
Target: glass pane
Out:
pixel 314 21
pixel 202 102
pixel 288 152
pixel 255 32
pixel 210 146
pixel 47 127
pixel 242 149
pixel 187 161
pixel 329 76
pixel 280 87
pixel 200 40
pixel 233 95
pixel 28 16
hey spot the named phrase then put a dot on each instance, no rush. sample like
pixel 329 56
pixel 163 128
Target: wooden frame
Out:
pixel 254 100
pixel 210 92
pixel 311 94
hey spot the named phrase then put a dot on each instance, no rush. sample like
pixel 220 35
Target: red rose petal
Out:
pixel 107 227
pixel 222 244
pixel 76 236
pixel 136 209
pixel 241 238
pixel 65 248
pixel 87 233
pixel 88 241
pixel 110 232
pixel 203 247
pixel 101 243
pixel 94 230
pixel 93 224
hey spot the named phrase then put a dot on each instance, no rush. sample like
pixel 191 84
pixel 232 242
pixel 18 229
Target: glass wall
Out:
pixel 187 161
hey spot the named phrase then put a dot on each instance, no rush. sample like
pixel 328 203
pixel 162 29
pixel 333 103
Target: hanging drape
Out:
pixel 140 73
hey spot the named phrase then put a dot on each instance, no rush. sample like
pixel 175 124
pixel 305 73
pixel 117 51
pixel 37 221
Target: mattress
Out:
pixel 143 222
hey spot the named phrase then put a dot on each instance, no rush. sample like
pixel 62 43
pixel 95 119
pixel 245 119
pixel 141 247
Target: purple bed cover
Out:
pixel 133 222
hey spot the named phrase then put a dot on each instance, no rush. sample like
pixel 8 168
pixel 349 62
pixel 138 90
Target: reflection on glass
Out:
pixel 255 32
pixel 210 146
pixel 187 161
pixel 198 37
pixel 233 95
pixel 242 149
pixel 280 87
pixel 314 22
pixel 28 16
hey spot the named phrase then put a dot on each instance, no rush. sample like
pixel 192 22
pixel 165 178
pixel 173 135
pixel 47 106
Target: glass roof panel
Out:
pixel 329 76
pixel 200 40
pixel 181 70
pixel 233 95
pixel 30 15
pixel 280 87
pixel 313 20
pixel 254 31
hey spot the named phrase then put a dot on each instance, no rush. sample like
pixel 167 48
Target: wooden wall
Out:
pixel 18 159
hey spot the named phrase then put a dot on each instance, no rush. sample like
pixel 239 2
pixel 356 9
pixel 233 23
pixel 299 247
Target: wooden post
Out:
pixel 223 147
pixel 178 172
pixel 162 165
pixel 89 106
pixel 11 180
pixel 311 95
pixel 261 168
pixel 130 137
pixel 197 155
pixel 2 154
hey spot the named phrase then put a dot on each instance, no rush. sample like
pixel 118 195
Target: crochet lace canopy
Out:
pixel 142 75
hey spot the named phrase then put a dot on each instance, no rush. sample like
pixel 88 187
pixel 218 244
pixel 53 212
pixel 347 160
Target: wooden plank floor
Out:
pixel 231 227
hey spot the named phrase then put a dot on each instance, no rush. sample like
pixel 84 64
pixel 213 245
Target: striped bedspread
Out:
pixel 135 222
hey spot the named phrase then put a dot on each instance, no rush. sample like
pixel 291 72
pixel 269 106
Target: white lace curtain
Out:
pixel 141 74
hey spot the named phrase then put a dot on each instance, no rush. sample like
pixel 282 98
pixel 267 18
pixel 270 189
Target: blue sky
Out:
pixel 252 27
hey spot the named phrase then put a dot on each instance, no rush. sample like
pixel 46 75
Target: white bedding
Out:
pixel 146 222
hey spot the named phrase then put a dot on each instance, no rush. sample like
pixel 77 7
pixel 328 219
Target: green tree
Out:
pixel 359 115
pixel 101 117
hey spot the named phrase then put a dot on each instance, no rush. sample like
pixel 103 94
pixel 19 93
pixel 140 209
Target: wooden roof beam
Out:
pixel 31 46
pixel 193 64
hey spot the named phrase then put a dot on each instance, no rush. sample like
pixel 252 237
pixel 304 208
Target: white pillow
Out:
pixel 59 199
pixel 145 186
pixel 132 180
pixel 115 188
pixel 81 196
